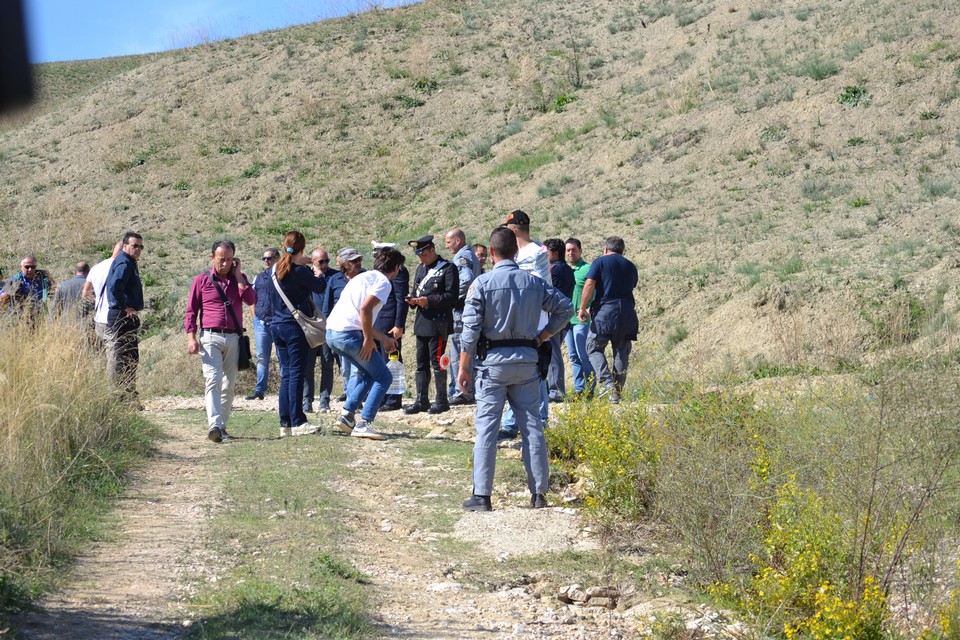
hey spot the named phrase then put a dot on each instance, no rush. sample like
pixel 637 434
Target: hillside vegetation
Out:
pixel 784 173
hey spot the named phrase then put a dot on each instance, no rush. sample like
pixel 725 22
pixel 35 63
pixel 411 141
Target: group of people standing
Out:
pixel 490 330
pixel 111 291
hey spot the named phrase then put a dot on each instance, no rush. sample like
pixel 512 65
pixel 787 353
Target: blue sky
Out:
pixel 85 29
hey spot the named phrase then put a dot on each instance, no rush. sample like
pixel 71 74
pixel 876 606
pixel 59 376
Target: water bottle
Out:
pixel 395 367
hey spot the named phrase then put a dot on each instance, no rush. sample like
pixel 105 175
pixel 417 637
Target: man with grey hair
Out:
pixel 468 268
pixel 610 283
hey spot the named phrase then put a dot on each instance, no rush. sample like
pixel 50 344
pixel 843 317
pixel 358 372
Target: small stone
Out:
pixel 445 587
pixel 609 603
pixel 603 592
pixel 186 624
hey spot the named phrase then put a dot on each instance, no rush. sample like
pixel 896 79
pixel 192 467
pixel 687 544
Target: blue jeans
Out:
pixel 509 423
pixel 369 379
pixel 583 376
pixel 292 352
pixel 263 343
pixel 518 384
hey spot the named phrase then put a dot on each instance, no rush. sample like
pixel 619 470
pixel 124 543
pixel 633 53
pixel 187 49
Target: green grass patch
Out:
pixel 524 165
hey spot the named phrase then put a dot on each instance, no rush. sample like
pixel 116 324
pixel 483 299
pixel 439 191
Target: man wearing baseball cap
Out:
pixel 434 295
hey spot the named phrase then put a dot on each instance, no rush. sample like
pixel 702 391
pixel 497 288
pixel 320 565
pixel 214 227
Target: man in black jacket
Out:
pixel 392 319
pixel 436 288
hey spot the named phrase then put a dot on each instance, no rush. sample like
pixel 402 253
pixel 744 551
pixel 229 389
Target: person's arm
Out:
pixel 585 298
pixel 87 293
pixel 473 308
pixel 370 334
pixel 401 288
pixel 194 304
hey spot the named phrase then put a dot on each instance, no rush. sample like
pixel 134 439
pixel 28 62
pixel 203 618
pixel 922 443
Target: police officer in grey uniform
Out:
pixel 434 294
pixel 500 328
pixel 468 268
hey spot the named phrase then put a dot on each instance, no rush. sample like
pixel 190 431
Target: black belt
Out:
pixel 513 342
pixel 220 330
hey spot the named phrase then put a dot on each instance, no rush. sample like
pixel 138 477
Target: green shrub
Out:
pixel 854 95
pixel 817 68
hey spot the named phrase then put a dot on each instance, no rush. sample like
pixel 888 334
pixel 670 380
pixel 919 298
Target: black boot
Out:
pixel 478 503
pixel 423 386
pixel 440 405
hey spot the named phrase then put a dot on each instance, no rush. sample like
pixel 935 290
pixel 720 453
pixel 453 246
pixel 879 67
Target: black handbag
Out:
pixel 244 356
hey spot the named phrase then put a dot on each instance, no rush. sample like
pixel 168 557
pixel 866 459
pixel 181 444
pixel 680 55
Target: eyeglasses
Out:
pixel 267 258
pixel 327 261
pixel 29 266
pixel 136 246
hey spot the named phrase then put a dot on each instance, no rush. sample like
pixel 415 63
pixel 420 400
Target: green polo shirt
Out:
pixel 580 276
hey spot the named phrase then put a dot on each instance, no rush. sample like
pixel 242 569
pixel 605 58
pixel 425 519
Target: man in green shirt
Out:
pixel 576 338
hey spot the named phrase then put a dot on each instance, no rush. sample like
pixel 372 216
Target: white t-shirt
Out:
pixel 98 278
pixel 535 260
pixel 345 315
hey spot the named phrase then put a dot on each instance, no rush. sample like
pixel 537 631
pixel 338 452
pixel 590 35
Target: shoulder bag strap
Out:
pixel 226 303
pixel 276 283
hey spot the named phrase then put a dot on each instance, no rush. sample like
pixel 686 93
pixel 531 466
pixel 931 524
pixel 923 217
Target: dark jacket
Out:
pixel 124 288
pixel 442 289
pixel 394 310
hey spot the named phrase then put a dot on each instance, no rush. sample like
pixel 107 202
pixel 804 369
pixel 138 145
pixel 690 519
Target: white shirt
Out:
pixel 345 315
pixel 98 278
pixel 535 260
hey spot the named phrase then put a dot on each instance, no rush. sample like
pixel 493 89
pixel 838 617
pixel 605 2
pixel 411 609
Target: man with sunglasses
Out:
pixel 320 258
pixel 30 288
pixel 125 300
pixel 262 338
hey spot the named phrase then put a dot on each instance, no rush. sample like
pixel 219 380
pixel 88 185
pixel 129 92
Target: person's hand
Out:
pixel 236 269
pixel 463 379
pixel 389 344
pixel 583 314
pixel 396 332
pixel 129 311
pixel 419 302
pixel 193 347
pixel 367 348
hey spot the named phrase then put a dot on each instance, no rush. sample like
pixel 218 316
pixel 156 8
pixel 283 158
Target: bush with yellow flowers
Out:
pixel 610 447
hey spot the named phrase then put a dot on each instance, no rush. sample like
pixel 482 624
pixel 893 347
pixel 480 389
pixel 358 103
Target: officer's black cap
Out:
pixel 422 244
pixel 518 217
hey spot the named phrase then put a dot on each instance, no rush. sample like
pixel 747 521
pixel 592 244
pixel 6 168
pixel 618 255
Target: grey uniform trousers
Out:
pixel 520 384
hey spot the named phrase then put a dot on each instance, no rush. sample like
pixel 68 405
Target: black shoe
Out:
pixel 460 400
pixel 342 397
pixel 415 408
pixel 435 408
pixel 538 501
pixel 214 435
pixel 308 407
pixel 391 406
pixel 255 396
pixel 477 503
pixel 506 435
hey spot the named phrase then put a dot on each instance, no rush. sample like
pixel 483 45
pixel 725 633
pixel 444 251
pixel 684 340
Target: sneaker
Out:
pixel 304 429
pixel 342 398
pixel 477 503
pixel 224 436
pixel 506 435
pixel 365 430
pixel 345 423
pixel 324 408
pixel 255 396
pixel 614 398
pixel 214 435
pixel 286 432
pixel 538 501
pixel 308 407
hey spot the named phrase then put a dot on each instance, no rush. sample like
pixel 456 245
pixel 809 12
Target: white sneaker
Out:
pixel 286 432
pixel 346 422
pixel 304 429
pixel 365 430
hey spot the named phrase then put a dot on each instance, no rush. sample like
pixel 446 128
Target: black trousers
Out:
pixel 429 350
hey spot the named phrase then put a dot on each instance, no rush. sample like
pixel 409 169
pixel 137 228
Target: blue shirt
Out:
pixel 262 285
pixel 505 304
pixel 335 286
pixel 616 278
pixel 124 288
pixel 298 285
pixel 562 276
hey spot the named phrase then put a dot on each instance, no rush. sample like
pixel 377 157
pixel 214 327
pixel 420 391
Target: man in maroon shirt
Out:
pixel 216 296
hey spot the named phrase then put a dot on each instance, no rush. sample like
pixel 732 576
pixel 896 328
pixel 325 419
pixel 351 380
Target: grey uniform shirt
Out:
pixel 505 304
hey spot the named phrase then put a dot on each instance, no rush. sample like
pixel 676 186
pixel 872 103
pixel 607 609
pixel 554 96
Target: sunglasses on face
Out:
pixel 136 246
pixel 29 266
pixel 267 258
pixel 323 261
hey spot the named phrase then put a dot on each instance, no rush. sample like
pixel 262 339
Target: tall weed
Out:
pixel 68 439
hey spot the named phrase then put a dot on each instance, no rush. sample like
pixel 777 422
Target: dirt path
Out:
pixel 135 586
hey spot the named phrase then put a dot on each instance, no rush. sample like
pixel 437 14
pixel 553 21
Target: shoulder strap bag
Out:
pixel 315 329
pixel 243 351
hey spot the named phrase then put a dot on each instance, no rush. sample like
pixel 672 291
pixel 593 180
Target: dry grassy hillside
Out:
pixel 784 173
